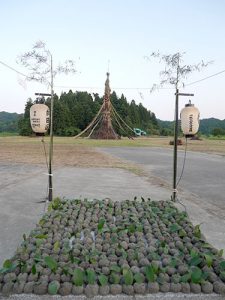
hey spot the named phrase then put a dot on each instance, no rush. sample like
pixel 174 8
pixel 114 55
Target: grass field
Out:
pixel 83 152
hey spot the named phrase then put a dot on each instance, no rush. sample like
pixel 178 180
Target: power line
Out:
pixel 7 66
pixel 115 88
pixel 205 78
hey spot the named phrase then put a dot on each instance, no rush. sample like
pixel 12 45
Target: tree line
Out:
pixel 73 111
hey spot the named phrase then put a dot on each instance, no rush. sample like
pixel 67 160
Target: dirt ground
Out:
pixel 34 151
pixel 83 152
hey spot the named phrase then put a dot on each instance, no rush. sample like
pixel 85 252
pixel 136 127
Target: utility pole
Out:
pixel 175 146
pixel 176 127
pixel 37 60
pixel 50 187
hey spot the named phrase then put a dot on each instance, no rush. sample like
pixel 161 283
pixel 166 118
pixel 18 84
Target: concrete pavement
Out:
pixel 23 186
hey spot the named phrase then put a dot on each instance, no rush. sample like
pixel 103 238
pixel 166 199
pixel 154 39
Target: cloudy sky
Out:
pixel 97 33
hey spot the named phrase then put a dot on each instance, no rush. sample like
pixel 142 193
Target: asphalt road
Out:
pixel 203 177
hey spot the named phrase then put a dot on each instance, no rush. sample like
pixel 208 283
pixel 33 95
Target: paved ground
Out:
pixel 204 174
pixel 158 296
pixel 23 186
pixel 202 184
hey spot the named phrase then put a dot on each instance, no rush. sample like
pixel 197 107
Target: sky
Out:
pixel 117 35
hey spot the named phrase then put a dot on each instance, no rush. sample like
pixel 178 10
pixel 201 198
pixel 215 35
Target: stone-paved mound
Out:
pixel 105 247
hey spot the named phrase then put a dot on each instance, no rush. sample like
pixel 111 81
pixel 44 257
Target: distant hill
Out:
pixel 206 125
pixel 9 121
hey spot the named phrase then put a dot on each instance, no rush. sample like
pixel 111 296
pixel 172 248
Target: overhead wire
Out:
pixel 184 161
pixel 117 88
pixel 213 75
pixel 11 68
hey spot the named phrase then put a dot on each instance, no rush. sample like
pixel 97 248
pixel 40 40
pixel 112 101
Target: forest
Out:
pixel 73 111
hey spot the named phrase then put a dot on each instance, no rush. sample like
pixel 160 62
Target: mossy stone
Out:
pixel 40 288
pixel 219 287
pixel 207 287
pixel 18 287
pixel 175 287
pixel 104 290
pixel 32 277
pixel 195 288
pixel 22 277
pixel 185 288
pixel 153 287
pixel 9 277
pixel 77 290
pixel 164 288
pixel 128 289
pixel 7 288
pixel 65 288
pixel 54 276
pixel 140 288
pixel 29 287
pixel 212 277
pixel 91 290
pixel 115 289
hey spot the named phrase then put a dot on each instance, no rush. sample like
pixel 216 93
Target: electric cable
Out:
pixel 184 161
pixel 117 88
pixel 185 208
pixel 47 165
pixel 45 152
pixel 218 73
pixel 7 66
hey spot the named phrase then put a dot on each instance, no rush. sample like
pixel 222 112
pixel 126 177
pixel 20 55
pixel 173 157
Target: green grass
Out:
pixel 5 134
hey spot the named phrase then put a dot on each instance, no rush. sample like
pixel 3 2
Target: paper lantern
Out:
pixel 39 118
pixel 189 119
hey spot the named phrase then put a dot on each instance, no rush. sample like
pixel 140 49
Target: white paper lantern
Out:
pixel 189 119
pixel 39 118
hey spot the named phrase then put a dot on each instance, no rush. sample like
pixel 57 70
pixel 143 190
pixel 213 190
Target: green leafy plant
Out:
pixel 51 263
pixel 174 228
pixel 114 278
pixel 41 236
pixel 186 277
pixel 8 266
pixel 56 204
pixel 101 224
pixel 91 276
pixel 78 277
pixel 208 259
pixel 128 276
pixel 220 253
pixel 195 261
pixel 115 268
pixel 53 288
pixel 150 273
pixel 197 232
pixel 56 246
pixel 196 275
pixel 103 280
pixel 139 278
pixel 222 265
pixel 33 269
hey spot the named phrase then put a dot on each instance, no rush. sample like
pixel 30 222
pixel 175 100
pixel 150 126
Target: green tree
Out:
pixel 218 131
pixel 24 125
